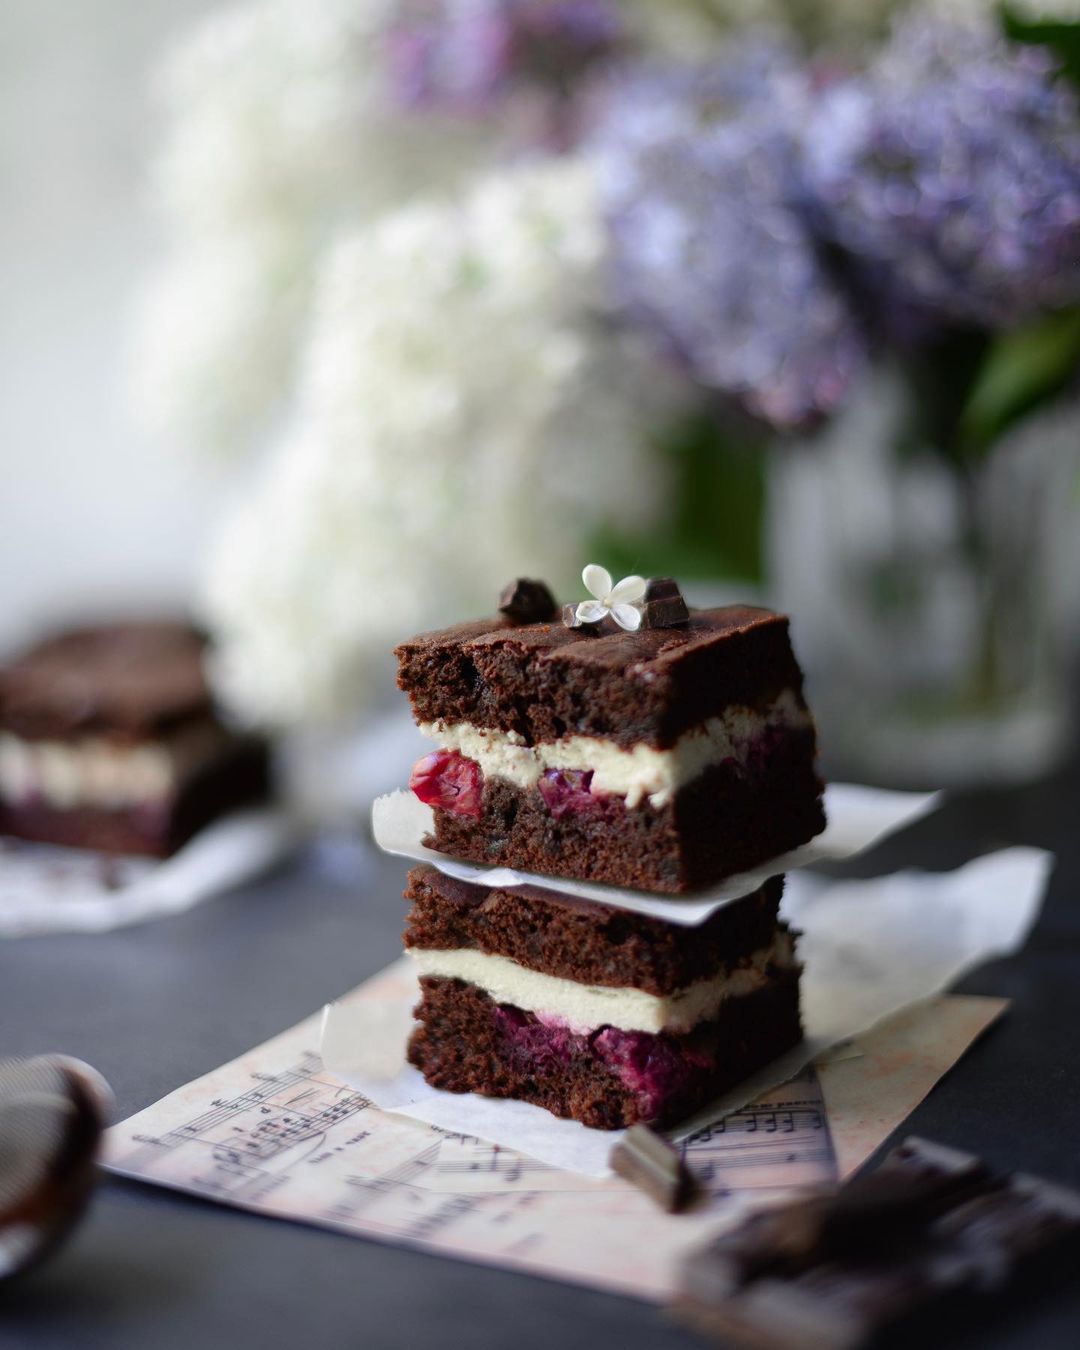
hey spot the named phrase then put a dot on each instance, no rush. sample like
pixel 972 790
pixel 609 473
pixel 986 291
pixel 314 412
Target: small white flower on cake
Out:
pixel 619 601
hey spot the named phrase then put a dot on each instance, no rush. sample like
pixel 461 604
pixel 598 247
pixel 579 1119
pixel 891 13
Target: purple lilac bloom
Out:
pixel 711 253
pixel 464 56
pixel 951 172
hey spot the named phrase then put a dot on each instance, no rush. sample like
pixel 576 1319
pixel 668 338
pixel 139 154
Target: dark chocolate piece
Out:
pixel 578 940
pixel 663 606
pixel 930 1226
pixel 52 1115
pixel 652 1164
pixel 571 620
pixel 606 1078
pixel 527 600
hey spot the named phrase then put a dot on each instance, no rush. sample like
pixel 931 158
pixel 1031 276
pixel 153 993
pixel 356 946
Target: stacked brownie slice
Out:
pixel 663 759
pixel 109 740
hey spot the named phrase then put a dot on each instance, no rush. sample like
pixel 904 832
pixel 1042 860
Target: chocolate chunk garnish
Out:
pixel 571 620
pixel 649 1162
pixel 932 1226
pixel 526 600
pixel 663 606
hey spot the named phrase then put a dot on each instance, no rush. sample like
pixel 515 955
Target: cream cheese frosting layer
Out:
pixel 584 1007
pixel 87 773
pixel 637 772
pixel 94 771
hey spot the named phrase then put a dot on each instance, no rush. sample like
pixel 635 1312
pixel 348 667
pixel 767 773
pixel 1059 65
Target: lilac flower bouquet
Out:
pixel 882 267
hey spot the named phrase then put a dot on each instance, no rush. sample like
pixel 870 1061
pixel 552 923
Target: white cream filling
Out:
pixel 94 771
pixel 587 1006
pixel 636 772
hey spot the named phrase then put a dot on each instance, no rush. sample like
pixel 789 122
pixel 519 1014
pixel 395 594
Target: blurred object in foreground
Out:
pixel 931 1233
pixel 53 1111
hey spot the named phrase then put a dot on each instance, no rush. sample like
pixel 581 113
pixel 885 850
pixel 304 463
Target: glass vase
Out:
pixel 931 601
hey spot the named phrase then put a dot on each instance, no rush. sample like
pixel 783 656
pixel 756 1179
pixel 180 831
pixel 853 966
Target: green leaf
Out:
pixel 1021 370
pixel 1061 36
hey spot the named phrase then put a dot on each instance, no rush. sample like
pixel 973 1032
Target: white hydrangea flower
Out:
pixel 278 129
pixel 466 416
pixel 214 335
pixel 618 600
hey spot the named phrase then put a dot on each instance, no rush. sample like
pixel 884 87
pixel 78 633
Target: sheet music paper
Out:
pixel 273 1132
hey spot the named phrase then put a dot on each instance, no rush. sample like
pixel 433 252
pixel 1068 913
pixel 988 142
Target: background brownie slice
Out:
pixel 109 740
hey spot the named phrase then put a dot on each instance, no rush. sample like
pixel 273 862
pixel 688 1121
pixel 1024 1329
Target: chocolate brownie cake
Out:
pixel 109 740
pixel 663 759
pixel 593 1012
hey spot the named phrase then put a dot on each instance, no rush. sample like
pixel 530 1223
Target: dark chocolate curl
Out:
pixel 663 606
pixel 526 600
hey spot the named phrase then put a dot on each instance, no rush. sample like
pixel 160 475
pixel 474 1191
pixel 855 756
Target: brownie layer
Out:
pixel 239 775
pixel 578 940
pixel 544 682
pixel 134 679
pixel 607 1079
pixel 723 822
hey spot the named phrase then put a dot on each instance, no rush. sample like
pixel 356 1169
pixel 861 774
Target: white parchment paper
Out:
pixel 870 948
pixel 858 817
pixel 44 889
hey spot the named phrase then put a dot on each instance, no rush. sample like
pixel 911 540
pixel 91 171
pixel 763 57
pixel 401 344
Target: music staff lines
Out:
pixel 278 1117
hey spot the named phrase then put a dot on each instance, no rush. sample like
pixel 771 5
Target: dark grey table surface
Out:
pixel 155 1006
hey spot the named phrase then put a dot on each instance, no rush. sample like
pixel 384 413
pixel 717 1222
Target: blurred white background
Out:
pixel 82 495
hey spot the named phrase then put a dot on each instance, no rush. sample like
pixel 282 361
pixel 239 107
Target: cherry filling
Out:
pixel 450 781
pixel 655 1068
pixel 567 790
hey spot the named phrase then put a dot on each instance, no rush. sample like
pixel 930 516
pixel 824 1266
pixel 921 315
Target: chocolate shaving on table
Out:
pixel 649 1162
pixel 526 600
pixel 52 1114
pixel 663 605
pixel 931 1227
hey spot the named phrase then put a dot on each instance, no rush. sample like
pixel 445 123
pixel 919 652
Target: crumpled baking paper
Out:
pixel 870 949
pixel 45 889
pixel 858 817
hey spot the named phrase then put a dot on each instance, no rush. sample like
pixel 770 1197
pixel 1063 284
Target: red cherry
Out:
pixel 450 781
